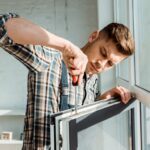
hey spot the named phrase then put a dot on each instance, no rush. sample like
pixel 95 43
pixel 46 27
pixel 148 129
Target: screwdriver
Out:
pixel 75 83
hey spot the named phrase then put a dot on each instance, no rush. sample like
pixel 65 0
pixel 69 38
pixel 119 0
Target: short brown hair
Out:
pixel 121 36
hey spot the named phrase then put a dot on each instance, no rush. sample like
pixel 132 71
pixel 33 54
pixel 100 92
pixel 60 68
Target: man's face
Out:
pixel 102 55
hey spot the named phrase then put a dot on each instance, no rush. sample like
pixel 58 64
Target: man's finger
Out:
pixel 77 63
pixel 121 93
pixel 127 94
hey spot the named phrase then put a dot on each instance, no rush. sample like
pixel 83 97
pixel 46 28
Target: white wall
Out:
pixel 67 18
pixel 72 19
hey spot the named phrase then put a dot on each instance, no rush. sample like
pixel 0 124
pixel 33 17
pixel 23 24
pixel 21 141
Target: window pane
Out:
pixel 146 129
pixel 123 70
pixel 123 17
pixel 112 134
pixel 143 45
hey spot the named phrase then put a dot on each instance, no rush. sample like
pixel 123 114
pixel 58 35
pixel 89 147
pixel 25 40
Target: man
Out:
pixel 106 48
pixel 22 38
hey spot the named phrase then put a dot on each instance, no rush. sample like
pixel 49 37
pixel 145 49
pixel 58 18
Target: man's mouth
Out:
pixel 93 67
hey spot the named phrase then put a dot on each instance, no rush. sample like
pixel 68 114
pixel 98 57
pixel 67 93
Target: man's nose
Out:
pixel 98 64
pixel 101 64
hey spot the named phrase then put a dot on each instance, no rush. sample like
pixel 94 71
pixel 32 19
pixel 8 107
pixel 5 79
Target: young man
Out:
pixel 25 41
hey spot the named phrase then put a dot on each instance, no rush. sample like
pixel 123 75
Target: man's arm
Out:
pixel 33 58
pixel 22 31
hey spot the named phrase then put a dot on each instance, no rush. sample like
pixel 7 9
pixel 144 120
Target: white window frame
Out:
pixel 141 94
pixel 67 124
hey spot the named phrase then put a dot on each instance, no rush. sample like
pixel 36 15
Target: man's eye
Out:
pixel 110 63
pixel 103 52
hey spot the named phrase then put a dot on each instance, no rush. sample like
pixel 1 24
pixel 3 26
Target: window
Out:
pixel 137 66
pixel 146 128
pixel 102 125
pixel 123 17
pixel 142 52
pixel 142 71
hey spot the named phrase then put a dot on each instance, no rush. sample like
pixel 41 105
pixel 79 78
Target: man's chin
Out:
pixel 90 72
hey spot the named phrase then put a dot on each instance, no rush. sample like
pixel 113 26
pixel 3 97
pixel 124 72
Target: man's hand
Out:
pixel 119 91
pixel 75 60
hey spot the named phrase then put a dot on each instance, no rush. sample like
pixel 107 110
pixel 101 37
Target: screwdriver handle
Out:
pixel 74 80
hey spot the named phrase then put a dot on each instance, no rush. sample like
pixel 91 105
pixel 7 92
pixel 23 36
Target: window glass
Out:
pixel 113 134
pixel 124 70
pixel 143 45
pixel 142 61
pixel 123 17
pixel 146 128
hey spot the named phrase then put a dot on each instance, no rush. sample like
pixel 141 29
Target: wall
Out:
pixel 66 18
pixel 74 20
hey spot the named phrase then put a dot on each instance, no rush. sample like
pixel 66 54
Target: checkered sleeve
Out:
pixel 26 54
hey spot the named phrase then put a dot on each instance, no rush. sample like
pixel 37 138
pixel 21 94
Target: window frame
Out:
pixel 68 123
pixel 142 95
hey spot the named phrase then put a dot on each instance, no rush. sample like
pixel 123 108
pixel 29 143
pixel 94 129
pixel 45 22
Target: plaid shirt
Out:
pixel 44 77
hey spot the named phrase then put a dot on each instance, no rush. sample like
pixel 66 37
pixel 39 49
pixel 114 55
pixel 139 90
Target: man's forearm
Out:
pixel 23 31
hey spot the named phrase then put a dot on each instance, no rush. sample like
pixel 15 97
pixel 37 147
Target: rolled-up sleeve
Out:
pixel 26 54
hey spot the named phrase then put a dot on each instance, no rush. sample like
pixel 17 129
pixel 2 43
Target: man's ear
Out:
pixel 93 36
